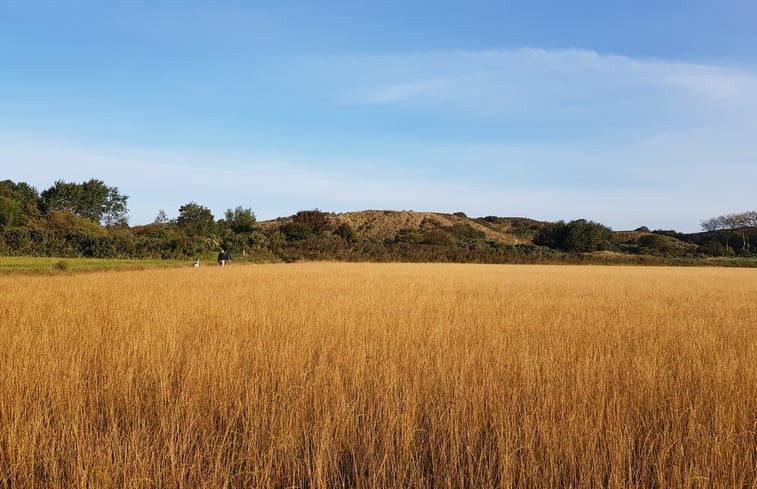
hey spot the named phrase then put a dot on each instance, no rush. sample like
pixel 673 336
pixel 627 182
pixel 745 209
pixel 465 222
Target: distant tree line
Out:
pixel 741 224
pixel 90 219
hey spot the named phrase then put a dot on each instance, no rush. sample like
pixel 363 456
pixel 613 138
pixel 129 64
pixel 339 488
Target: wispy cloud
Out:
pixel 519 82
pixel 673 138
pixel 625 141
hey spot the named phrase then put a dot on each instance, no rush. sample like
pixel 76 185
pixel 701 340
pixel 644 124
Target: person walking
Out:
pixel 221 258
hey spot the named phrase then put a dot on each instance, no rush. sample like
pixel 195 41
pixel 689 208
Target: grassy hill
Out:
pixel 388 235
pixel 388 224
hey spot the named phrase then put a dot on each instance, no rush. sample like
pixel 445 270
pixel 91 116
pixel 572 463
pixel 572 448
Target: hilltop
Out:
pixel 383 225
pixel 388 224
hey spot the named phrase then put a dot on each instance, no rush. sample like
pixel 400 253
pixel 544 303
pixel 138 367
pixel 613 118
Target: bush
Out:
pixel 408 236
pixel 586 236
pixel 655 244
pixel 437 238
pixel 579 236
pixel 16 238
pixel 60 266
pixel 314 219
pixel 346 232
pixel 713 248
pixel 552 235
pixel 296 231
pixel 10 212
pixel 65 221
pixel 466 232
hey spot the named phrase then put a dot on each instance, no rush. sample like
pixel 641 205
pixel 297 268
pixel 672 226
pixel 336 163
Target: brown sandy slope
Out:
pixel 385 224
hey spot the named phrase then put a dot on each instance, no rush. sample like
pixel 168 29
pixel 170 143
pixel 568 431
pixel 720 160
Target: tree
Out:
pixel 586 236
pixel 196 219
pixel 240 220
pixel 115 212
pixel 10 212
pixel 91 200
pixel 577 236
pixel 17 202
pixel 161 218
pixel 732 223
pixel 23 194
pixel 552 235
pixel 711 225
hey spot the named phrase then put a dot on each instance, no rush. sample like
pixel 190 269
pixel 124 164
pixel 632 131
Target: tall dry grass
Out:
pixel 372 376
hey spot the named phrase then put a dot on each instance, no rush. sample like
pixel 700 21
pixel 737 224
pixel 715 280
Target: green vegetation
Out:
pixel 89 220
pixel 49 265
pixel 91 200
pixel 580 236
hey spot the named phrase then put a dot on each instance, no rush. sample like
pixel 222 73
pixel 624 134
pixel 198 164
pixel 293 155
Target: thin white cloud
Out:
pixel 650 142
pixel 516 82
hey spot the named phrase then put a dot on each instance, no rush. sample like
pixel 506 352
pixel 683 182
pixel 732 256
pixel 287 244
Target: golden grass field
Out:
pixel 380 375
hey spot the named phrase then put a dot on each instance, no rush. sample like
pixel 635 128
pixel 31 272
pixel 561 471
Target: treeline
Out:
pixel 90 219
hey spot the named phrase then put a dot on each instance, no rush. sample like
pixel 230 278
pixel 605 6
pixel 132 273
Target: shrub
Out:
pixel 466 232
pixel 316 220
pixel 656 244
pixel 296 231
pixel 346 232
pixel 437 237
pixel 577 236
pixel 10 212
pixel 408 236
pixel 16 238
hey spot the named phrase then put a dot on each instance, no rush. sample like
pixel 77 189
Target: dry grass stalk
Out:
pixel 336 375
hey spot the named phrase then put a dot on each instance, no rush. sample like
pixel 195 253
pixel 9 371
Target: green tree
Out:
pixel 24 195
pixel 586 236
pixel 577 236
pixel 161 217
pixel 240 220
pixel 196 219
pixel 115 211
pixel 552 235
pixel 91 200
pixel 10 212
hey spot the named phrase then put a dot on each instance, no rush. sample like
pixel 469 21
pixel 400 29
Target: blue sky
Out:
pixel 629 113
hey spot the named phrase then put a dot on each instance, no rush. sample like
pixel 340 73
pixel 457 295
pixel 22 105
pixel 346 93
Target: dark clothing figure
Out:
pixel 221 258
pixel 228 257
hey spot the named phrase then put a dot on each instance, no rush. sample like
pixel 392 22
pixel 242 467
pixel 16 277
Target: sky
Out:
pixel 635 113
